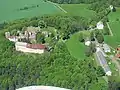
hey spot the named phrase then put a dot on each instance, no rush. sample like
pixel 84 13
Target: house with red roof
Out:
pixel 118 49
pixel 118 55
pixel 30 48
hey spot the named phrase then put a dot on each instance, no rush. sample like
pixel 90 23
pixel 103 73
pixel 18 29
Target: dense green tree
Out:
pixel 117 19
pixel 40 38
pixel 92 36
pixel 81 37
pixel 88 52
pixel 100 72
pixel 113 83
pixel 41 24
pixel 114 9
pixel 100 38
pixel 92 47
pixel 106 31
pixel 56 68
pixel 105 19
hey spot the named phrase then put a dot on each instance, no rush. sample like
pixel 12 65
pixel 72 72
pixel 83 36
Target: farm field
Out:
pixel 76 48
pixel 16 9
pixel 114 22
pixel 78 10
pixel 114 40
pixel 114 15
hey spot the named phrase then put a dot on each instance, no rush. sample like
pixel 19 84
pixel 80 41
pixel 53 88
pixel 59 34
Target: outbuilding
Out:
pixel 100 25
pixel 30 48
pixel 111 7
pixel 87 43
pixel 106 48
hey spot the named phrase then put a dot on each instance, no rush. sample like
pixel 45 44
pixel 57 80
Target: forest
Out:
pixel 105 2
pixel 58 67
pixel 55 68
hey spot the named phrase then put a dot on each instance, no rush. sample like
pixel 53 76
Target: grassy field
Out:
pixel 114 40
pixel 10 9
pixel 78 10
pixel 76 48
pixel 114 15
pixel 101 83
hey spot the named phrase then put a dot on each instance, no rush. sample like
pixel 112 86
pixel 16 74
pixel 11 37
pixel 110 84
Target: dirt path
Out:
pixel 57 6
pixel 109 29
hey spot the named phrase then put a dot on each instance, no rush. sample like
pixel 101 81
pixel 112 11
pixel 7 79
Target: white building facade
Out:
pixel 22 46
pixel 100 25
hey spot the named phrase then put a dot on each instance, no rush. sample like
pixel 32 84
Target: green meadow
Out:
pixel 114 40
pixel 76 48
pixel 113 16
pixel 78 10
pixel 114 22
pixel 10 9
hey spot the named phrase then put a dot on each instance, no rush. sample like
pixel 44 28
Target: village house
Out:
pixel 31 32
pixel 111 7
pixel 103 63
pixel 45 33
pixel 106 48
pixel 30 48
pixel 87 43
pixel 11 38
pixel 118 53
pixel 100 25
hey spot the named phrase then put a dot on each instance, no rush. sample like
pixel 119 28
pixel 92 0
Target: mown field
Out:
pixel 78 10
pixel 114 22
pixel 10 9
pixel 114 15
pixel 114 40
pixel 76 48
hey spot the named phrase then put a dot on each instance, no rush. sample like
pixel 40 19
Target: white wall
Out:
pixel 29 50
pixel 13 39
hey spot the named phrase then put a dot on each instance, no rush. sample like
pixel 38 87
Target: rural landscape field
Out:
pixel 78 10
pixel 75 47
pixel 12 9
pixel 114 24
pixel 60 44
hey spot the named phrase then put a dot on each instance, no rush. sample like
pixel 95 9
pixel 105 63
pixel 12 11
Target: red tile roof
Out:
pixel 36 46
pixel 118 55
pixel 118 49
pixel 12 37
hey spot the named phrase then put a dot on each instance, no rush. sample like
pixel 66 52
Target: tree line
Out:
pixel 110 2
pixel 55 68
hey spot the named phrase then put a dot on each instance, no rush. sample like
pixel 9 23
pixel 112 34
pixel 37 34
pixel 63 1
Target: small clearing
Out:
pixel 114 41
pixel 75 47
